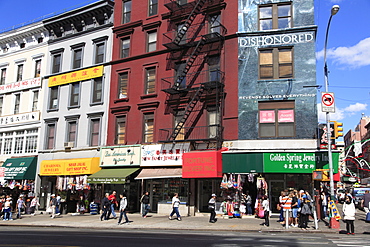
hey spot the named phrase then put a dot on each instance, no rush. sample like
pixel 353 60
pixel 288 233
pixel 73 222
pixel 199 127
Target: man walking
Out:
pixel 105 206
pixel 145 204
pixel 122 209
pixel 53 205
pixel 366 202
pixel 212 208
pixel 113 203
pixel 175 207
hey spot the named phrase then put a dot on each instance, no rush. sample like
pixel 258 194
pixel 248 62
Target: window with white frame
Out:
pixel 152 41
pixel 8 142
pixel 74 94
pixel 126 11
pixel 17 103
pixel 120 130
pixel 19 72
pixel 35 100
pixel 31 141
pixel 94 131
pixel 213 123
pixel 97 90
pixel 19 140
pixel 53 98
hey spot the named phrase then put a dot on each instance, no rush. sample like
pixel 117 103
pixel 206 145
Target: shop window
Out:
pixel 19 72
pixel 53 98
pixel 153 7
pixel 150 75
pixel 97 90
pixel 37 68
pixel 50 135
pixel 74 94
pixel 152 41
pixel 126 11
pixel 3 76
pixel 276 63
pixel 120 129
pixel 122 85
pixel 148 128
pixel 125 47
pixel 275 16
pixel 276 119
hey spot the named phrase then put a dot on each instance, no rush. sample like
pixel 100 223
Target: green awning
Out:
pixel 20 168
pixel 111 176
pixel 234 162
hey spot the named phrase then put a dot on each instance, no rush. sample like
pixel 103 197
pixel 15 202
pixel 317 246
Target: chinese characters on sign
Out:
pixel 80 75
pixel 163 154
pixel 20 118
pixel 20 85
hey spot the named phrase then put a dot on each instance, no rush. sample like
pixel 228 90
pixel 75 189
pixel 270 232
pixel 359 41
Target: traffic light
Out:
pixel 338 129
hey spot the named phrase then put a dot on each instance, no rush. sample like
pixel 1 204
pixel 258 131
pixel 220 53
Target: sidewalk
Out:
pixel 161 222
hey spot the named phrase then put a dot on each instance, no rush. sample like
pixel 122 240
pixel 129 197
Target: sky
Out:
pixel 348 50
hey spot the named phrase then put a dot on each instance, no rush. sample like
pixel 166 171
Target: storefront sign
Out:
pixel 280 39
pixel 121 156
pixel 80 75
pixel 163 154
pixel 20 118
pixel 278 96
pixel 20 168
pixel 297 162
pixel 20 85
pixel 202 164
pixel 286 116
pixel 267 116
pixel 107 180
pixel 69 167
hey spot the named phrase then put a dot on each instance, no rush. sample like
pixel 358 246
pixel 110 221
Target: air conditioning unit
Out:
pixel 68 145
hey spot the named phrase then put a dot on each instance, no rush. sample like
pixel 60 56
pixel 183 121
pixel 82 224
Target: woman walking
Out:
pixel 349 212
pixel 175 207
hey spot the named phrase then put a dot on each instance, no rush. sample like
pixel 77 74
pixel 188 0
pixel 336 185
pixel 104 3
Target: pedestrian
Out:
pixel 10 215
pixel 105 206
pixel 57 207
pixel 175 207
pixel 34 204
pixel 286 204
pixel 266 209
pixel 113 203
pixel 349 212
pixel 122 209
pixel 21 206
pixel 53 205
pixel 8 209
pixel 145 204
pixel 295 208
pixel 366 202
pixel 324 205
pixel 248 202
pixel 212 208
pixel 279 207
pixel 305 213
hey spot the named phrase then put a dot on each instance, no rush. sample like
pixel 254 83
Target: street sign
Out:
pixel 327 102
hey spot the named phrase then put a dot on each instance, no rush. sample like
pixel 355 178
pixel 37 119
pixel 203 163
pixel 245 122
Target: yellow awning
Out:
pixel 69 167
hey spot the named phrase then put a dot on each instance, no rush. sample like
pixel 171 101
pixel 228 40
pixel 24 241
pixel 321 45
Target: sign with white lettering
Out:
pixel 20 118
pixel 20 85
pixel 163 154
pixel 280 39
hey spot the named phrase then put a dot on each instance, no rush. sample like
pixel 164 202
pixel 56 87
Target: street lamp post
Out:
pixel 334 10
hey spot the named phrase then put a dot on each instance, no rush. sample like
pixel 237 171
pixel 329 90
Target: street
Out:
pixel 39 236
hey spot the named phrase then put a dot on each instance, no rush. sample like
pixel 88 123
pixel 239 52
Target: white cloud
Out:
pixel 340 114
pixel 352 56
pixel 336 1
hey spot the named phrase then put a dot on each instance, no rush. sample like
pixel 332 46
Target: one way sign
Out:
pixel 327 102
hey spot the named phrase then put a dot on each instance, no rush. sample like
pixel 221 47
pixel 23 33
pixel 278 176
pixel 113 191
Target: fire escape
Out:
pixel 195 43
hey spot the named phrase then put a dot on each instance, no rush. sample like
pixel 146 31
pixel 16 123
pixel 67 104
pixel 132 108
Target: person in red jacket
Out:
pixel 113 203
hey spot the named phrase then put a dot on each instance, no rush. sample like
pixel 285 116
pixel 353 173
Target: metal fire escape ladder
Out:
pixel 195 11
pixel 189 63
pixel 188 111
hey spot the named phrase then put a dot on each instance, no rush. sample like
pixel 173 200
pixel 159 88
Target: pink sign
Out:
pixel 267 116
pixel 2 172
pixel 286 116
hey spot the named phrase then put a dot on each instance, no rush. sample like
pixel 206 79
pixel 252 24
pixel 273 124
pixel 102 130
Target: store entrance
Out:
pixel 276 186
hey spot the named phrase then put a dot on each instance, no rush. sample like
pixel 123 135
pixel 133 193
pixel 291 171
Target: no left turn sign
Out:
pixel 327 102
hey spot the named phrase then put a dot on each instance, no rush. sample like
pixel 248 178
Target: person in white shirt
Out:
pixel 266 208
pixel 175 207
pixel 123 209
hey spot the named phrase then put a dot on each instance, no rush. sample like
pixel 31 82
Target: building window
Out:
pixel 77 58
pixel 56 63
pixel 1 105
pixel 53 100
pixel 153 7
pixel 40 40
pixel 50 135
pixel 148 128
pixel 19 72
pixel 122 84
pixel 182 2
pixel 275 16
pixel 35 100
pixel 75 94
pixel 276 63
pixel 126 12
pixel 8 142
pixel 125 47
pixel 31 141
pixel 276 119
pixel 121 130
pixel 178 117
pixel 180 79
pixel 17 102
pixel 37 68
pixel 152 41
pixel 215 24
pixel 213 123
pixel 19 139
pixel 71 131
pixel 97 95
pixel 149 80
pixel 99 52
pixel 3 76
pixel 94 131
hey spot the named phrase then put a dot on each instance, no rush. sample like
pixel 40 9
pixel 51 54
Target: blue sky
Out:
pixel 348 53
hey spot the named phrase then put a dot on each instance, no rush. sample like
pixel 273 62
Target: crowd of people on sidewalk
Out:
pixel 19 207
